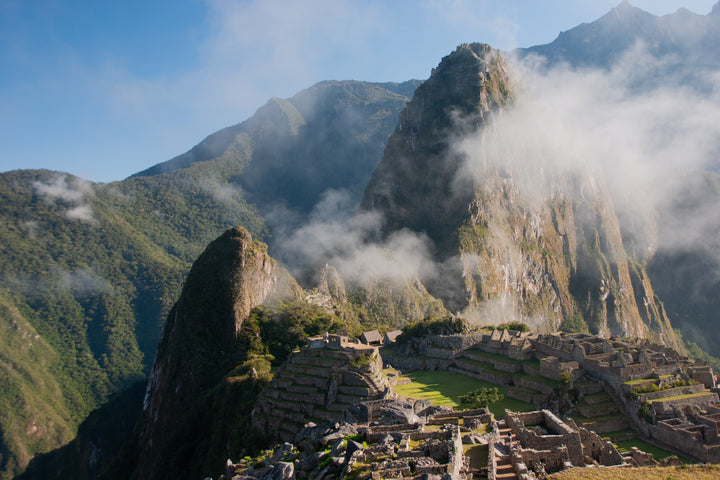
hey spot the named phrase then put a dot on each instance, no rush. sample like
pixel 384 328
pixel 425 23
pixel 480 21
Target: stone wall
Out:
pixel 455 342
pixel 669 392
pixel 666 406
pixel 602 451
pixel 501 364
pixel 528 396
pixel 408 364
pixel 562 434
pixel 553 460
pixel 482 375
pixel 686 442
pixel 317 385
pixel 552 368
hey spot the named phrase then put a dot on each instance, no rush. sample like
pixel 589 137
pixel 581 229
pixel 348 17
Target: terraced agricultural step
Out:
pixel 527 395
pixel 339 407
pixel 535 382
pixel 607 423
pixel 588 388
pixel 318 361
pixel 311 370
pixel 325 415
pixel 482 375
pixel 317 382
pixel 302 389
pixel 597 398
pixel 620 435
pixel 353 390
pixel 597 409
pixel 700 399
pixel 504 364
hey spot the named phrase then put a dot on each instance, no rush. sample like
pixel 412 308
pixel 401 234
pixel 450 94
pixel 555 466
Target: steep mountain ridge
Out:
pixel 95 268
pixel 539 258
pixel 683 54
pixel 201 340
pixel 302 143
pixel 417 157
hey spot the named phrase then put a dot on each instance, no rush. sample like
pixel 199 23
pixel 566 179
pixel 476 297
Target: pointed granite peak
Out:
pixel 463 91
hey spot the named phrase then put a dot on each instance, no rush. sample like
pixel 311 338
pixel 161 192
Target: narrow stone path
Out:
pixel 505 469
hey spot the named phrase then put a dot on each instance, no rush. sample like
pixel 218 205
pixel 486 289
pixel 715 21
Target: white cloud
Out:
pixel 83 213
pixel 64 187
pixel 71 190
pixel 620 133
pixel 335 234
pixel 83 282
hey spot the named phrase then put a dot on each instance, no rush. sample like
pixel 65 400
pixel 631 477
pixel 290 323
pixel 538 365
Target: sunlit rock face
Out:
pixel 520 236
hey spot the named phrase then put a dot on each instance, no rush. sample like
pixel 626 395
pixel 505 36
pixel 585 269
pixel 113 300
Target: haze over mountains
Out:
pixel 591 196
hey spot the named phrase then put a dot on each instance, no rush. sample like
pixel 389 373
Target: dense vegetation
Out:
pixel 93 269
pixel 446 325
pixel 481 397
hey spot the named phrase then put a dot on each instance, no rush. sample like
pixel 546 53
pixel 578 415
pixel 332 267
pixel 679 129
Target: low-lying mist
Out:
pixel 638 144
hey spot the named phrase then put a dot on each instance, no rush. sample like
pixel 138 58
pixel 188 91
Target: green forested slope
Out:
pixel 95 268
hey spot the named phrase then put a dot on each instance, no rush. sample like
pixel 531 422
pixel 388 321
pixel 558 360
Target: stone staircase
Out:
pixel 504 468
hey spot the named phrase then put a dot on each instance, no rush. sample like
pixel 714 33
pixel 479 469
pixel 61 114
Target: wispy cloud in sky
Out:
pixel 109 103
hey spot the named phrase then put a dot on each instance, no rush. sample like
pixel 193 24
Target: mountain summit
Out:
pixel 416 186
pixel 531 241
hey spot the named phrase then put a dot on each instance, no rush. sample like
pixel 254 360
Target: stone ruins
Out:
pixel 319 384
pixel 585 386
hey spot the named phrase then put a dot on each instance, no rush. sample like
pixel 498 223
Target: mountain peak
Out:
pixel 715 10
pixel 472 81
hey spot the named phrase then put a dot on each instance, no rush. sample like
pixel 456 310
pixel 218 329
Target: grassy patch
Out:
pixel 678 397
pixel 537 378
pixel 657 452
pixel 619 433
pixel 487 367
pixel 445 388
pixel 598 406
pixel 639 381
pixel 597 396
pixel 478 455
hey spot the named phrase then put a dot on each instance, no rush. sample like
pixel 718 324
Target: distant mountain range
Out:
pixel 687 43
pixel 90 271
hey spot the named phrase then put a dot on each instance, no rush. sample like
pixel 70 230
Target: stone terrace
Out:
pixel 319 384
pixel 604 371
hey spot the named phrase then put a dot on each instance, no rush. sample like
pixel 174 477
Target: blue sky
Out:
pixel 104 89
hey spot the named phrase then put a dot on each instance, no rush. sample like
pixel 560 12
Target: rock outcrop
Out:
pixel 535 242
pixel 200 343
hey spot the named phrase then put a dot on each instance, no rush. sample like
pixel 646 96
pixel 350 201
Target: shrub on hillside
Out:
pixel 482 397
pixel 447 325
pixel 514 326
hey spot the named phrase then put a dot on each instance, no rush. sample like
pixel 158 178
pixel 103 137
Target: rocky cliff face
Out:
pixel 535 242
pixel 200 343
pixel 416 184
